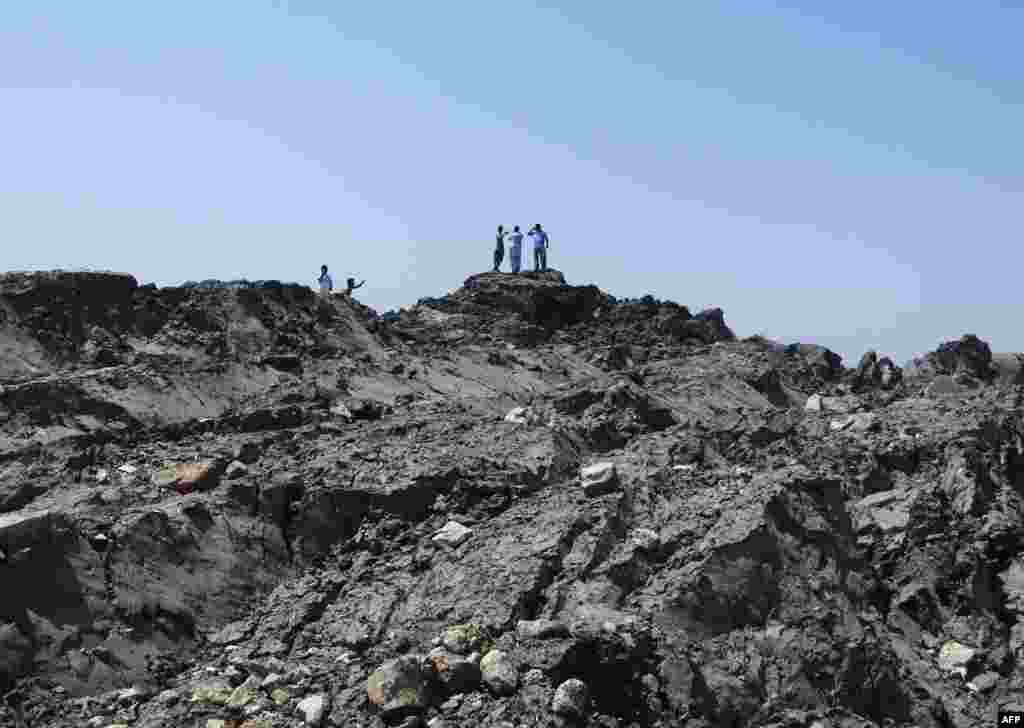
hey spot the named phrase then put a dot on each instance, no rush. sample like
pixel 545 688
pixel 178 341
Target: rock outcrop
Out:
pixel 523 503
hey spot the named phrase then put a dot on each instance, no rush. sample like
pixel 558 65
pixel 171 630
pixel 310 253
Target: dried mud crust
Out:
pixel 245 505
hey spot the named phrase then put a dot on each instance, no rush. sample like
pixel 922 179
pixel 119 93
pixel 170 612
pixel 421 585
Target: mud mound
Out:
pixel 522 503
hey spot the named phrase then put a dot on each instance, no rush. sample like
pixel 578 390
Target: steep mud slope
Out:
pixel 523 503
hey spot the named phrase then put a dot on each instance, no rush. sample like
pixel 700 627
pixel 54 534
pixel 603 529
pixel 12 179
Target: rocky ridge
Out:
pixel 524 503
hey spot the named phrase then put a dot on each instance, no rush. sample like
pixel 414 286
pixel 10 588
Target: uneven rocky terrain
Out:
pixel 525 503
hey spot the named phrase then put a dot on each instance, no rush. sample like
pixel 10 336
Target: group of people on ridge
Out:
pixel 538 240
pixel 327 283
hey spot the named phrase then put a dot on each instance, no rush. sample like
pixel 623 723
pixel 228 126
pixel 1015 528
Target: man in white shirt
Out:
pixel 515 251
pixel 326 284
pixel 540 248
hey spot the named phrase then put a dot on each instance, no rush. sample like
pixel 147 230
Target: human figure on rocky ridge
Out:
pixel 499 248
pixel 540 248
pixel 515 251
pixel 351 286
pixel 325 281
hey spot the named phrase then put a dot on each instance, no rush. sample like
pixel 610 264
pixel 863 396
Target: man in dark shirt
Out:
pixel 352 285
pixel 499 248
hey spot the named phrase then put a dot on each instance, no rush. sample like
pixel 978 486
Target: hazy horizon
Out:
pixel 842 175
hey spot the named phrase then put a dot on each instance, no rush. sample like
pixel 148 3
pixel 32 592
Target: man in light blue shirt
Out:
pixel 515 251
pixel 326 284
pixel 540 248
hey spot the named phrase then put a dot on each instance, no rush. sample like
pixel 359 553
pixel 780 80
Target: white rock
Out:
pixel 954 657
pixel 271 681
pixel 313 708
pixel 102 476
pixel 128 469
pixel 813 403
pixel 840 424
pixel 518 416
pixel 452 534
pixel 599 478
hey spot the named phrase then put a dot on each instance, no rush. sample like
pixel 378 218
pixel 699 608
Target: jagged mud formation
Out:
pixel 524 503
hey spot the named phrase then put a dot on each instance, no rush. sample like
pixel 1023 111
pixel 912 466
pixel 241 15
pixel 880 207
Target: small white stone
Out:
pixel 599 478
pixel 271 681
pixel 453 534
pixel 517 416
pixel 313 708
pixel 954 657
pixel 840 424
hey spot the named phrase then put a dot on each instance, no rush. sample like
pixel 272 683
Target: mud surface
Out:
pixel 526 503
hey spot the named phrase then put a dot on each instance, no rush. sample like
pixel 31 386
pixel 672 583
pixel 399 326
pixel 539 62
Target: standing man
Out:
pixel 351 285
pixel 499 248
pixel 540 248
pixel 326 284
pixel 515 252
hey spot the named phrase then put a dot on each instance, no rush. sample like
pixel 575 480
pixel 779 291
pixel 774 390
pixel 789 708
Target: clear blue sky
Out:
pixel 841 173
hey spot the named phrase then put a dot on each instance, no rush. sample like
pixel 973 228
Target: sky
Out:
pixel 845 174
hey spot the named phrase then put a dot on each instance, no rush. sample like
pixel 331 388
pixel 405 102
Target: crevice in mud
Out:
pixel 869 685
pixel 836 544
pixel 313 615
pixel 284 523
pixel 612 532
pixel 737 587
pixel 110 546
pixel 612 670
pixel 533 601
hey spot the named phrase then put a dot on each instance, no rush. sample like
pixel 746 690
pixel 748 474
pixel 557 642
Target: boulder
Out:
pixel 453 534
pixel 571 698
pixel 402 685
pixel 824 363
pixel 313 709
pixel 455 673
pixel 500 672
pixel 885 512
pixel 462 639
pixel 955 657
pixel 188 477
pixel 714 320
pixel 599 479
pixel 875 371
pixel 969 355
